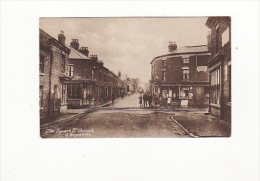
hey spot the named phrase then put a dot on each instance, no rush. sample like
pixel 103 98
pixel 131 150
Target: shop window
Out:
pixel 163 75
pixel 206 92
pixel 215 87
pixel 186 93
pixel 41 64
pixel 71 69
pixel 73 91
pixel 41 96
pixel 185 73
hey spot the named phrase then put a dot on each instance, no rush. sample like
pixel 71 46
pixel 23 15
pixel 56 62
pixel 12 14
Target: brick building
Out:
pixel 220 67
pixel 54 60
pixel 180 77
pixel 91 82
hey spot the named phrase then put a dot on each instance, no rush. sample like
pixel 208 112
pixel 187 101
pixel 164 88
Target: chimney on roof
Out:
pixel 172 46
pixel 119 74
pixel 75 44
pixel 84 51
pixel 94 57
pixel 61 37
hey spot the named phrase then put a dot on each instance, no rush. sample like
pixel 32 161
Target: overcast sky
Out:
pixel 129 44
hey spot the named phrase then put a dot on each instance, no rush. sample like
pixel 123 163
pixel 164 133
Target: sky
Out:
pixel 129 44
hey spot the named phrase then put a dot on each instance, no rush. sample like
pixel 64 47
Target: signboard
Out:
pixel 202 68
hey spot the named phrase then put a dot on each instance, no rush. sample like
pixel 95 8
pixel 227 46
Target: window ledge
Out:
pixel 42 74
pixel 214 105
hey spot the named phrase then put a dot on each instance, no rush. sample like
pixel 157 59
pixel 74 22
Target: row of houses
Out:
pixel 200 75
pixel 71 78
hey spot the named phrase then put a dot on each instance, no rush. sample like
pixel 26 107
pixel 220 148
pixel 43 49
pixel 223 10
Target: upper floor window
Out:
pixel 63 62
pixel 93 74
pixel 185 73
pixel 70 70
pixel 41 64
pixel 164 75
pixel 164 62
pixel 225 37
pixel 186 60
pixel 217 39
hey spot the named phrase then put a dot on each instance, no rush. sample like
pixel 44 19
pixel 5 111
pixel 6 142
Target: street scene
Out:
pixel 135 77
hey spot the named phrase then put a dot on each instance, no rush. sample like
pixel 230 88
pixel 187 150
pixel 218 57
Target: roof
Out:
pixel 75 54
pixel 186 50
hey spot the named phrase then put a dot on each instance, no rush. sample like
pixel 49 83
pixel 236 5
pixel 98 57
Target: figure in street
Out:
pixel 141 100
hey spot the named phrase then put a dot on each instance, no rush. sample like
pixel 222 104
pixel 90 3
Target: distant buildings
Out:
pixel 180 77
pixel 70 78
pixel 54 61
pixel 220 67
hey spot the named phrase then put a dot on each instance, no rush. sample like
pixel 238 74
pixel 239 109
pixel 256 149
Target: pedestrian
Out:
pixel 122 95
pixel 113 97
pixel 150 100
pixel 140 100
pixel 144 100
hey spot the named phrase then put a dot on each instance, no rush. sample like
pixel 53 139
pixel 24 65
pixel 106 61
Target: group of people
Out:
pixel 146 100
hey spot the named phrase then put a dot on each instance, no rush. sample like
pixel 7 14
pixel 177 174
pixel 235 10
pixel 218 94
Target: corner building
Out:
pixel 181 76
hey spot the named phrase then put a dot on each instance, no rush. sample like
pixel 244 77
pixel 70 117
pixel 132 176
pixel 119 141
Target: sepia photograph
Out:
pixel 135 77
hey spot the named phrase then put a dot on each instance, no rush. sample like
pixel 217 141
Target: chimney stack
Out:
pixel 75 44
pixel 172 46
pixel 84 51
pixel 61 37
pixel 119 74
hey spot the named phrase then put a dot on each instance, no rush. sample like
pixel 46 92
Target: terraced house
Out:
pixel 91 82
pixel 53 72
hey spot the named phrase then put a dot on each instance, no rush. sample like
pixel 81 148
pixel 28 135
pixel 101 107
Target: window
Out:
pixel 63 62
pixel 185 73
pixel 73 91
pixel 93 74
pixel 225 37
pixel 215 87
pixel 41 96
pixel 186 93
pixel 41 64
pixel 186 60
pixel 63 94
pixel 164 62
pixel 163 75
pixel 217 39
pixel 100 75
pixel 71 70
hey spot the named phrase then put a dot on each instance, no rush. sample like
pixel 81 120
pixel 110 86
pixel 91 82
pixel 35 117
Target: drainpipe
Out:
pixel 50 74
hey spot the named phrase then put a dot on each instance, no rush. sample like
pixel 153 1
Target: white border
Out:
pixel 25 156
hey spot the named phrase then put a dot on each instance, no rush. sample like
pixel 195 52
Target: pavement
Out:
pixel 125 118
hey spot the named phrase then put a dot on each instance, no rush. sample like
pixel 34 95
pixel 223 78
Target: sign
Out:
pixel 202 68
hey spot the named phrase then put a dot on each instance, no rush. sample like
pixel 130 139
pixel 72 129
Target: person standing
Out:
pixel 150 100
pixel 144 99
pixel 141 100
pixel 113 97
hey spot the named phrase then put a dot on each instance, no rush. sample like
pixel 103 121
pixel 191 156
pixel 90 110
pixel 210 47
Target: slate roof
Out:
pixel 75 54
